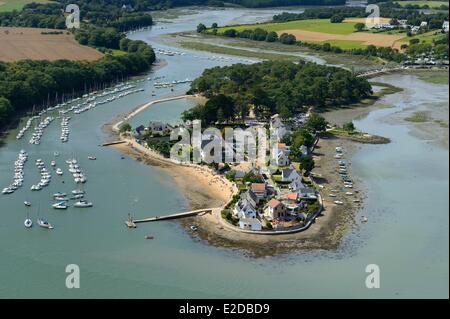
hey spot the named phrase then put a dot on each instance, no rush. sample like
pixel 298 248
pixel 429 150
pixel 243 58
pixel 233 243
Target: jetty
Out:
pixel 171 216
pixel 112 143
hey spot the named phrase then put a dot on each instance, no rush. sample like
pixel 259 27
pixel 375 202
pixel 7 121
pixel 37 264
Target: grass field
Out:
pixel 323 31
pixel 10 5
pixel 316 25
pixel 423 38
pixel 29 43
pixel 431 4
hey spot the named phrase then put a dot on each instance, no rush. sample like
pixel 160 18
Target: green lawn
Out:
pixel 431 4
pixel 10 5
pixel 423 38
pixel 316 25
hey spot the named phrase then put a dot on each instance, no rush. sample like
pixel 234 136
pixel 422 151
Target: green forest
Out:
pixel 272 87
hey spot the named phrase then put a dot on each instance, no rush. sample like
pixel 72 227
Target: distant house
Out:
pixel 296 185
pixel 250 224
pixel 277 128
pixel 245 207
pixel 274 210
pixel 423 24
pixel 403 23
pixel 159 127
pixel 259 190
pixel 290 175
pixel 280 154
pixel 445 26
pixel 307 193
pixel 415 28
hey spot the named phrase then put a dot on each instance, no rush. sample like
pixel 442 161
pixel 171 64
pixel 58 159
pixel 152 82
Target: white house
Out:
pixel 277 128
pixel 307 193
pixel 250 224
pixel 290 175
pixel 445 26
pixel 245 207
pixel 415 28
pixel 423 24
pixel 304 150
pixel 280 154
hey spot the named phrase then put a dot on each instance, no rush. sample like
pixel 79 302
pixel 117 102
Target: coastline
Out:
pixel 203 188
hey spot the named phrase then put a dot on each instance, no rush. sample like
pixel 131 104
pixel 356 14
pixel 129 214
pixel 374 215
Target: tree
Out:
pixel 349 127
pixel 307 163
pixel 125 127
pixel 272 37
pixel 316 123
pixel 214 25
pixel 201 28
pixel 359 26
pixel 337 18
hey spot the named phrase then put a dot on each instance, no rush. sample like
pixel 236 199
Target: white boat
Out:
pixel 348 193
pixel 60 205
pixel 338 202
pixel 28 223
pixel 83 204
pixel 53 163
pixel 59 194
pixel 77 192
pixel 364 219
pixel 194 228
pixel 92 158
pixel 59 171
pixel 26 203
pixel 78 196
pixel 44 224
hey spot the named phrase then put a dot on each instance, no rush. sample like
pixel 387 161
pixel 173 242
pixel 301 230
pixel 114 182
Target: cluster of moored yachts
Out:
pixel 39 130
pixel 46 176
pixel 61 203
pixel 65 129
pixel 75 170
pixel 18 173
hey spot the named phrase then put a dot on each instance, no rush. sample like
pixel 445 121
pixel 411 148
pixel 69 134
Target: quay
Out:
pixel 112 143
pixel 130 222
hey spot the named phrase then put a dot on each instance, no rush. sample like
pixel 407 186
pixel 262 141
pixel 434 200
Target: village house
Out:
pixel 292 202
pixel 274 210
pixel 259 190
pixel 403 23
pixel 250 224
pixel 307 193
pixel 277 128
pixel 290 175
pixel 304 150
pixel 296 185
pixel 445 26
pixel 246 206
pixel 423 24
pixel 161 128
pixel 280 154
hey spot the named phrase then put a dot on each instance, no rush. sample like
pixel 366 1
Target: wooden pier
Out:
pixel 172 216
pixel 113 143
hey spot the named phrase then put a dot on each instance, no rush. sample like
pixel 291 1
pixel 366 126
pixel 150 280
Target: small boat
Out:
pixel 59 171
pixel 59 194
pixel 332 195
pixel 348 193
pixel 92 158
pixel 61 198
pixel 44 224
pixel 364 219
pixel 60 205
pixel 83 204
pixel 56 154
pixel 28 223
pixel 77 192
pixel 338 202
pixel 78 196
pixel 356 201
pixel 149 237
pixel 26 203
pixel 194 228
pixel 53 163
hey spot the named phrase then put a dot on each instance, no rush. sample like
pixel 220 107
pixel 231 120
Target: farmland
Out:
pixel 10 5
pixel 323 31
pixel 30 43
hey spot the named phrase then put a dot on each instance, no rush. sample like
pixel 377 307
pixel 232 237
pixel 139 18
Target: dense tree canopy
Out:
pixel 273 87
